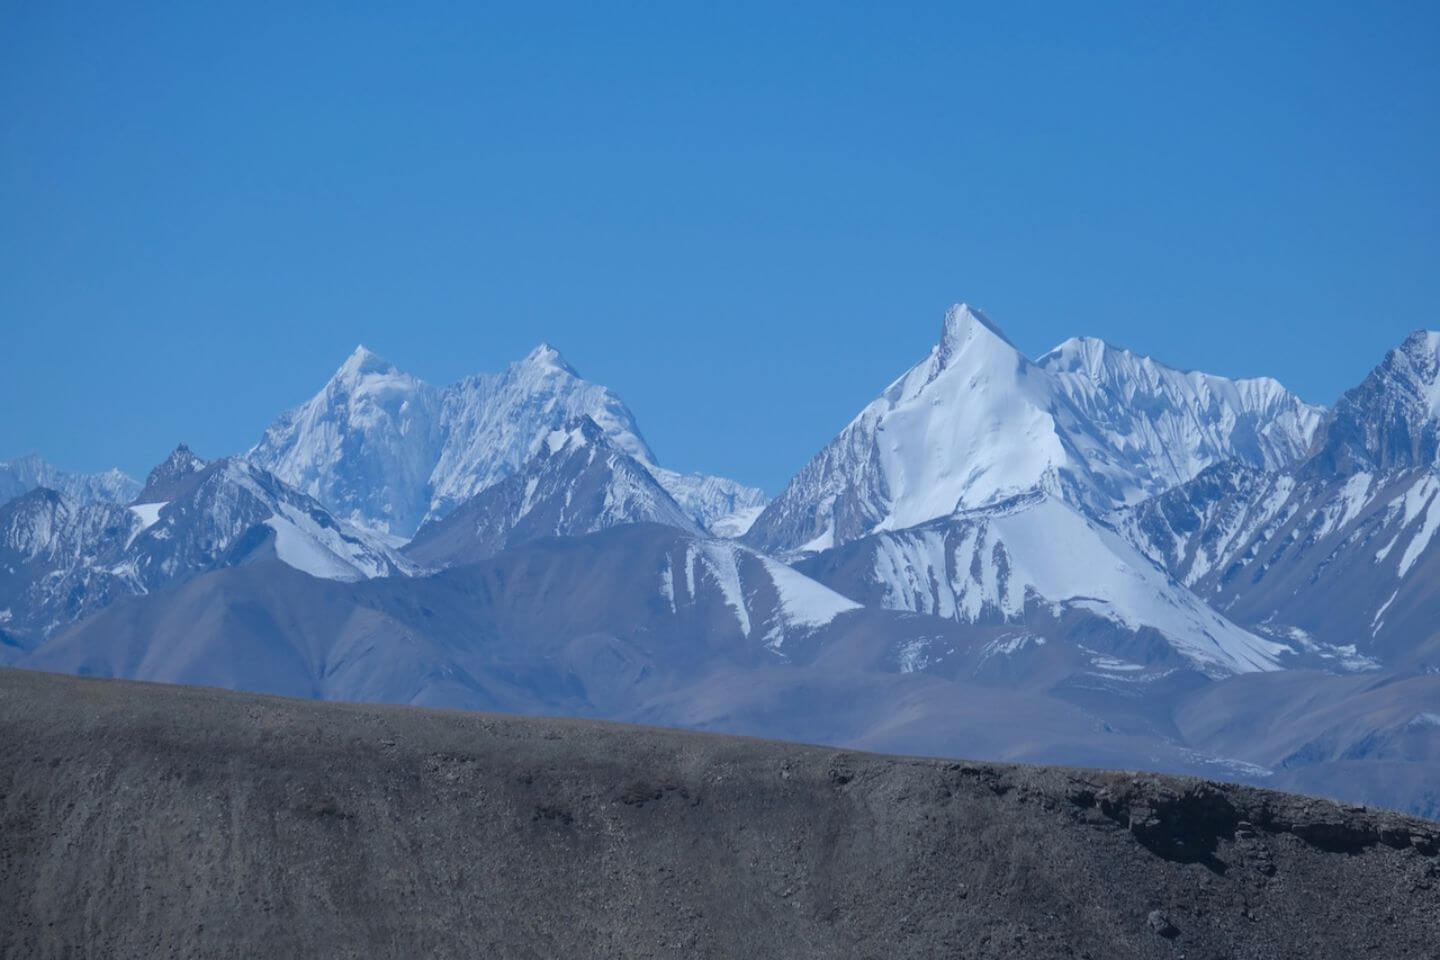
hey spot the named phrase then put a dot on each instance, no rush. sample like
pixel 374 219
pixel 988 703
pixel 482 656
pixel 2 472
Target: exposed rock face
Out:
pixel 141 821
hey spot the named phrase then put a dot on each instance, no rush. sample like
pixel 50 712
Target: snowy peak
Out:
pixel 31 525
pixel 172 474
pixel 546 357
pixel 61 560
pixel 976 422
pixel 361 362
pixel 1171 423
pixel 221 514
pixel 973 423
pixel 1078 355
pixel 490 424
pixel 389 452
pixel 968 328
pixel 365 379
pixel 1103 362
pixel 23 474
pixel 577 482
pixel 1391 421
pixel 1416 365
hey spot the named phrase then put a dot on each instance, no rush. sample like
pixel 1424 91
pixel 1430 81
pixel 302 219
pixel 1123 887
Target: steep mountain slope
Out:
pixel 386 450
pixel 578 482
pixel 1391 421
pixel 1036 561
pixel 976 423
pixel 1339 549
pixel 24 474
pixel 1172 423
pixel 56 563
pixel 493 423
pixel 61 560
pixel 220 824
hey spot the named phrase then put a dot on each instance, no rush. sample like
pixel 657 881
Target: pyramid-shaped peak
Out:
pixel 545 356
pixel 1418 361
pixel 1391 420
pixel 184 459
pixel 967 326
pixel 1413 367
pixel 172 471
pixel 362 361
pixel 1422 345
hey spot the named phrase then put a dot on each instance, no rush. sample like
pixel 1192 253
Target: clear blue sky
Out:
pixel 744 217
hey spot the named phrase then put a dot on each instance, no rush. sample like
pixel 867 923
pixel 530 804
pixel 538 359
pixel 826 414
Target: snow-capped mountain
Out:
pixel 1086 558
pixel 365 445
pixel 976 422
pixel 1338 549
pixel 1391 421
pixel 388 451
pixel 1345 567
pixel 24 474
pixel 56 555
pixel 171 476
pixel 62 559
pixel 577 482
pixel 1172 424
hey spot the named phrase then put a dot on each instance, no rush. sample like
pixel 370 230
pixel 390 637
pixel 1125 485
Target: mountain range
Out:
pixel 1088 557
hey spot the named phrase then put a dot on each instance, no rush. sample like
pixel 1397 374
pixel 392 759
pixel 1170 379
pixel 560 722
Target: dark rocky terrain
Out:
pixel 154 821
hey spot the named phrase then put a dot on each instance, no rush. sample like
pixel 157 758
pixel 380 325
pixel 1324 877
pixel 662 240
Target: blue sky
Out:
pixel 746 218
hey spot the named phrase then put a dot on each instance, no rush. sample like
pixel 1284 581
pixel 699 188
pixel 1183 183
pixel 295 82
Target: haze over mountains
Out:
pixel 1087 558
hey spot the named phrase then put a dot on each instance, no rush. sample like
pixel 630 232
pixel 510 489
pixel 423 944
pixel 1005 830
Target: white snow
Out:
pixel 302 552
pixel 801 603
pixel 149 515
pixel 976 422
pixel 1377 621
pixel 667 584
pixel 1426 491
pixel 387 451
pixel 910 565
pixel 329 551
pixel 1055 553
pixel 1009 646
pixel 805 602
pixel 1384 551
pixel 734 525
pixel 1345 505
pixel 721 560
pixel 823 540
pixel 1115 665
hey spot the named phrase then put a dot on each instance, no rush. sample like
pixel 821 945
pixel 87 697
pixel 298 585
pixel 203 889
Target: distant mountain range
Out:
pixel 1088 558
pixel 390 452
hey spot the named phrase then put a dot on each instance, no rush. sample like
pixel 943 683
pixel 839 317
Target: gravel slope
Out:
pixel 141 820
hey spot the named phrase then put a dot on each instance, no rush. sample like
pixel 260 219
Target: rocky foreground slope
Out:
pixel 156 821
